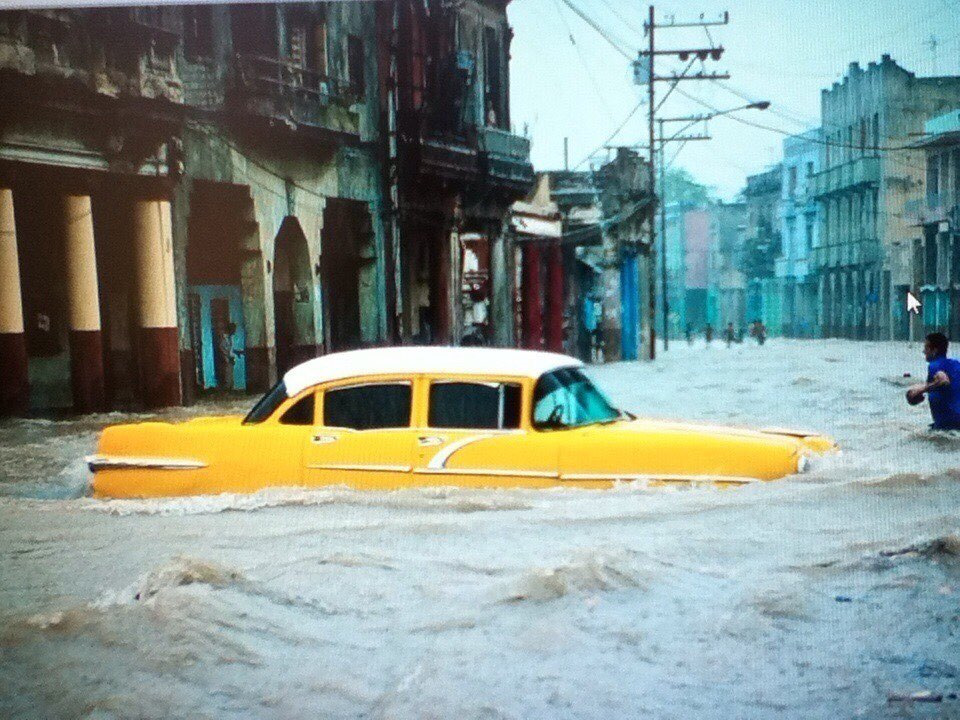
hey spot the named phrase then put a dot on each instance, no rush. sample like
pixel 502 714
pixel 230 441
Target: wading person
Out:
pixel 942 387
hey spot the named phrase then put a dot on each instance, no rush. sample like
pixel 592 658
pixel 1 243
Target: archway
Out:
pixel 293 297
pixel 216 295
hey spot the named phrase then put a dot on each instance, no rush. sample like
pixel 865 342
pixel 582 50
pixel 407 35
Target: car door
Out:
pixel 475 432
pixel 363 435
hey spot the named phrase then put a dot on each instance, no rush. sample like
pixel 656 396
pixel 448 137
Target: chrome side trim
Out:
pixel 732 479
pixel 439 460
pixel 116 462
pixel 360 468
pixel 481 471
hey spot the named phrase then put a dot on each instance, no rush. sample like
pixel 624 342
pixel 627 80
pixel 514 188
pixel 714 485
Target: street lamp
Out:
pixel 690 120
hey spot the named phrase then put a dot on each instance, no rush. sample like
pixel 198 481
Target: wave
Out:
pixel 587 573
pixel 912 480
pixel 458 500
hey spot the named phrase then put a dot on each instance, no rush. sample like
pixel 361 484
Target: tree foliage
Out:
pixel 681 187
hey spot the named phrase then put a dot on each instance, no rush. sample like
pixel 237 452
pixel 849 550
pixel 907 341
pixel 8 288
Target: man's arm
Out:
pixel 940 379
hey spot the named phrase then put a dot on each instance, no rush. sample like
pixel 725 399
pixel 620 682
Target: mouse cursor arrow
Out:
pixel 913 305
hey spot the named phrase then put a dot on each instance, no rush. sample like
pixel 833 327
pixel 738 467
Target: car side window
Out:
pixel 368 407
pixel 480 405
pixel 300 413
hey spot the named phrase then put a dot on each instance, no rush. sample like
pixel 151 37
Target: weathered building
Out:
pixel 687 230
pixel 458 166
pixel 936 246
pixel 605 257
pixel 870 168
pixel 726 283
pixel 798 231
pixel 761 247
pixel 577 199
pixel 210 168
pixel 540 283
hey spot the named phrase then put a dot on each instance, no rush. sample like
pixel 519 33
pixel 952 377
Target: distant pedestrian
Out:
pixel 942 387
pixel 689 334
pixel 225 347
pixel 708 333
pixel 730 334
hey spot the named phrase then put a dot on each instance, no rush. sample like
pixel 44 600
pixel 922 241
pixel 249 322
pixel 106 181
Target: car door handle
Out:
pixel 321 439
pixel 430 440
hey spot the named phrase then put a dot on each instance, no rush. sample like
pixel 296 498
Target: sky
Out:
pixel 568 81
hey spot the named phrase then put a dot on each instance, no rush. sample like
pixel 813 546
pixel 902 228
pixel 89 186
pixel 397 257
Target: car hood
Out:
pixel 809 440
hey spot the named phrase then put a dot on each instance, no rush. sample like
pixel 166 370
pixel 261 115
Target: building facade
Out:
pixel 762 244
pixel 726 281
pixel 936 247
pixel 457 166
pixel 799 226
pixel 870 169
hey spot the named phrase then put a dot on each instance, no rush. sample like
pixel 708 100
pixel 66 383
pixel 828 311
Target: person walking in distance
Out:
pixel 942 387
pixel 730 334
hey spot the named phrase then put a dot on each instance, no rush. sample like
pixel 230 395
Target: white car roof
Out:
pixel 410 360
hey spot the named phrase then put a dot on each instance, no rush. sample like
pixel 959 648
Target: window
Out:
pixel 490 406
pixel 367 407
pixel 493 51
pixel 792 181
pixel 301 413
pixel 317 48
pixel 809 169
pixel 355 64
pixel 567 398
pixel 198 31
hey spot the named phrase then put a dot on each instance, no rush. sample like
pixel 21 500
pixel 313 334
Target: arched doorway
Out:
pixel 293 297
pixel 215 295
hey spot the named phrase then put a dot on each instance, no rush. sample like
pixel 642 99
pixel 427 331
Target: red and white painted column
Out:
pixel 14 379
pixel 555 297
pixel 157 303
pixel 531 308
pixel 83 305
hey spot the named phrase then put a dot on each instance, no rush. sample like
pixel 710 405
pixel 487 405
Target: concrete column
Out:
pixel 83 293
pixel 531 307
pixel 157 304
pixel 501 286
pixel 14 380
pixel 555 297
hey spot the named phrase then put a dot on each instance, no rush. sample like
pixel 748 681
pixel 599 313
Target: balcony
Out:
pixel 866 251
pixel 929 210
pixel 505 158
pixel 449 155
pixel 856 173
pixel 281 90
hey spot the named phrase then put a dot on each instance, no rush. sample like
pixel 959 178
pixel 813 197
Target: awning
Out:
pixel 537 227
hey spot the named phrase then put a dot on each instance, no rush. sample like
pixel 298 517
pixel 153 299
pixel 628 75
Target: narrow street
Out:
pixel 823 595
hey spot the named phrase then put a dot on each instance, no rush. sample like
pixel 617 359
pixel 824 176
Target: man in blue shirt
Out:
pixel 942 386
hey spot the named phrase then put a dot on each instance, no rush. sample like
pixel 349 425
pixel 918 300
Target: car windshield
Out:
pixel 267 404
pixel 567 398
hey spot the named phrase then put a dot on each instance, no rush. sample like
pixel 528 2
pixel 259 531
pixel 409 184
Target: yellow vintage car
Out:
pixel 403 417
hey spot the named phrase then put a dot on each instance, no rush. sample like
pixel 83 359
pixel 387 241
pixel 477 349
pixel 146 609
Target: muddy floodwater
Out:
pixel 834 594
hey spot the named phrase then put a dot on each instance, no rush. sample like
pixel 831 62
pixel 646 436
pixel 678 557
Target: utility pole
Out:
pixel 703 54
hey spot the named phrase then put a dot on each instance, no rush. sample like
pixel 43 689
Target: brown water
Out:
pixel 820 596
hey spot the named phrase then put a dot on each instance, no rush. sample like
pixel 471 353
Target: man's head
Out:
pixel 935 346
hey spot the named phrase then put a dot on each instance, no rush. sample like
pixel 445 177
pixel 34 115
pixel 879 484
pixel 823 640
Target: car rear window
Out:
pixel 368 407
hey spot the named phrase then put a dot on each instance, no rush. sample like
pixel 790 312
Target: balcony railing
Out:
pixel 930 209
pixel 506 156
pixel 866 251
pixel 281 88
pixel 859 172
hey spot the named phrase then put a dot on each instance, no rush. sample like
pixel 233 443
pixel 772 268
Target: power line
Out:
pixel 612 135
